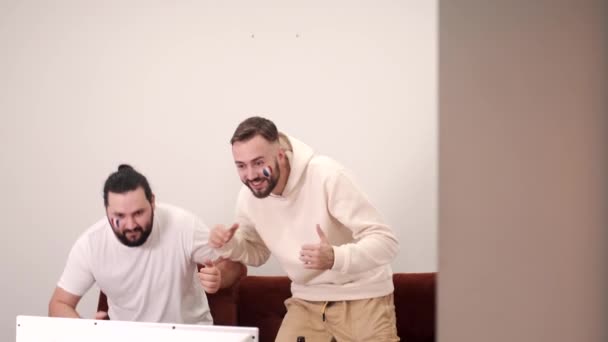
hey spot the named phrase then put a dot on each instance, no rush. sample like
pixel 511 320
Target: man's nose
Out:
pixel 251 173
pixel 129 223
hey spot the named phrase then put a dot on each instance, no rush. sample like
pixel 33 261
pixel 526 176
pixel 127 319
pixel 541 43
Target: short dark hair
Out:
pixel 124 180
pixel 253 126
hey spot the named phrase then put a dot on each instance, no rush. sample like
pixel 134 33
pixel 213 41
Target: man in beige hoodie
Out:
pixel 331 241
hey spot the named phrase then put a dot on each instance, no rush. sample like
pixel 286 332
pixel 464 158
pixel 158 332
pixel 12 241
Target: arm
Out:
pixel 231 272
pixel 241 242
pixel 374 243
pixel 63 304
pixel 76 279
pixel 214 273
pixel 245 246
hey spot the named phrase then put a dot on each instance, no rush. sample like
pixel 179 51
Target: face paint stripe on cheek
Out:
pixel 267 171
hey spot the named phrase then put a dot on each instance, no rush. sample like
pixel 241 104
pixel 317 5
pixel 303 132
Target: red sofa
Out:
pixel 257 301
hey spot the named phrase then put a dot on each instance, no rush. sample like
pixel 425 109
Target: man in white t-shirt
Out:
pixel 144 256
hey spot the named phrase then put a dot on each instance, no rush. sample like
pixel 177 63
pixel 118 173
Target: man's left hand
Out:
pixel 318 256
pixel 210 277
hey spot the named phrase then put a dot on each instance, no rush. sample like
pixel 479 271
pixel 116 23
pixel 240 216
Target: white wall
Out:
pixel 86 85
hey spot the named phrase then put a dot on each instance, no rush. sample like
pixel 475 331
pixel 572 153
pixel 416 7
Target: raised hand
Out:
pixel 318 256
pixel 220 235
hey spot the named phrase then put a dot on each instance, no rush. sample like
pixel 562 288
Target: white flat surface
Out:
pixel 50 329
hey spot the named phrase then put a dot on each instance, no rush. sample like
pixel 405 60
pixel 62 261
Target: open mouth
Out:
pixel 257 184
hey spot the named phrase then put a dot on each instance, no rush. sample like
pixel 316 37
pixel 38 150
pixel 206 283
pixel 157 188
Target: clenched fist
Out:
pixel 210 277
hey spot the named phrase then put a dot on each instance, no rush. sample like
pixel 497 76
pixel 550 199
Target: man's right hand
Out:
pixel 101 315
pixel 220 235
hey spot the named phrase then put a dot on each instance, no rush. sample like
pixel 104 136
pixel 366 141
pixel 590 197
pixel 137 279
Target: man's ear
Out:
pixel 281 154
pixel 153 201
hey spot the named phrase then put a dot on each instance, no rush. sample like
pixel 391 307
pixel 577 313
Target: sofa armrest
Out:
pixel 415 306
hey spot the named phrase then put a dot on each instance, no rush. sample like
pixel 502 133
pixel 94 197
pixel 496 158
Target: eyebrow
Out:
pixel 114 212
pixel 252 161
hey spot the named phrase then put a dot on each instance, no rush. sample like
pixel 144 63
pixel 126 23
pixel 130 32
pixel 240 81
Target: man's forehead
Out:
pixel 252 149
pixel 130 200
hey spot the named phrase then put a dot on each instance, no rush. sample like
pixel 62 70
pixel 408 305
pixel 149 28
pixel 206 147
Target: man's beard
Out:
pixel 145 233
pixel 271 183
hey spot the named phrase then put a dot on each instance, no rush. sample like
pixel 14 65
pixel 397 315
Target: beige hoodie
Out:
pixel 318 191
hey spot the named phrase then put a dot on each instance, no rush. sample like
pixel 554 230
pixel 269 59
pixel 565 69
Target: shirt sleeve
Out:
pixel 201 250
pixel 77 277
pixel 374 243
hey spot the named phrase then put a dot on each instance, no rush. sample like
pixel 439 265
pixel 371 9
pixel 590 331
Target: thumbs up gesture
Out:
pixel 220 235
pixel 210 277
pixel 318 256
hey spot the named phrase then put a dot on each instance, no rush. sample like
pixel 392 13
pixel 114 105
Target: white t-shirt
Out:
pixel 155 282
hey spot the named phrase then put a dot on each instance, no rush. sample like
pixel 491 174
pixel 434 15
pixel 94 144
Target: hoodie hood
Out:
pixel 299 156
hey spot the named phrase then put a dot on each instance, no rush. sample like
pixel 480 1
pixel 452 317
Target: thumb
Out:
pixel 233 228
pixel 322 235
pixel 208 263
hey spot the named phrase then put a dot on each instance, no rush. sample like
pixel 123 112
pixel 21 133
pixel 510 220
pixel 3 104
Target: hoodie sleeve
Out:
pixel 246 245
pixel 374 242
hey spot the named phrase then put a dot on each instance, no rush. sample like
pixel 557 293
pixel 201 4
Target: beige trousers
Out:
pixel 370 319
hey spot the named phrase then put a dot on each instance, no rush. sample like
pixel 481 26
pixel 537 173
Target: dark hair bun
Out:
pixel 124 167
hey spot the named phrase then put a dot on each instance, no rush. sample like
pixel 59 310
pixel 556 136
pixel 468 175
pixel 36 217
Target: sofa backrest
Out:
pixel 261 305
pixel 257 301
